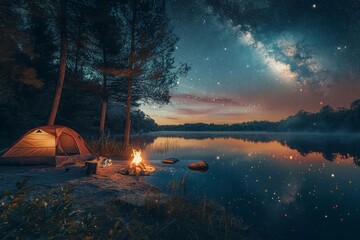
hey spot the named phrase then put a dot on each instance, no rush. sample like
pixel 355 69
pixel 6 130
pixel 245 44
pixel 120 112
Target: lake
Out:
pixel 285 186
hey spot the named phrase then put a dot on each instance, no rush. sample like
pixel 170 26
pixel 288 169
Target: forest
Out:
pixel 85 64
pixel 89 65
pixel 326 119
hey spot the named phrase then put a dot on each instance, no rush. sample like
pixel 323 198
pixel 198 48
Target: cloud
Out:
pixel 195 111
pixel 172 118
pixel 199 99
pixel 269 105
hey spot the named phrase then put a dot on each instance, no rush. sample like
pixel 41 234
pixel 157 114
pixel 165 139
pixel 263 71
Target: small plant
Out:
pixel 107 146
pixel 164 147
pixel 174 218
pixel 49 216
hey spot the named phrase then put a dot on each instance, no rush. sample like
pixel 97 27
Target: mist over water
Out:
pixel 298 186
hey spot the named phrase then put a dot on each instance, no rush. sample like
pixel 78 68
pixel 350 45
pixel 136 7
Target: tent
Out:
pixel 47 145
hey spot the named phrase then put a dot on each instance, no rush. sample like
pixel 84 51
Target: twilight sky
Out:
pixel 263 59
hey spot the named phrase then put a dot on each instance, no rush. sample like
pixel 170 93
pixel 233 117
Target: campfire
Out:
pixel 137 166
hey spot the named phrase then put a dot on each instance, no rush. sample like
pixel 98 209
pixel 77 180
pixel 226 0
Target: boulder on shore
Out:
pixel 170 160
pixel 200 166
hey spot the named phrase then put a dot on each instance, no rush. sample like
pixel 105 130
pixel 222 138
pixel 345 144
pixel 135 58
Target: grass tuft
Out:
pixel 49 216
pixel 164 147
pixel 174 217
pixel 108 146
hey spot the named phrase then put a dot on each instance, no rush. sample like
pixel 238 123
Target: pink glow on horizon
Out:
pixel 271 105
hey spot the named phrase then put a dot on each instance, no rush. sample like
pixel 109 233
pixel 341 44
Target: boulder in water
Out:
pixel 170 160
pixel 200 166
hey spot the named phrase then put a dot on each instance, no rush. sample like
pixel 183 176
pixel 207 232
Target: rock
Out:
pixel 170 160
pixel 200 166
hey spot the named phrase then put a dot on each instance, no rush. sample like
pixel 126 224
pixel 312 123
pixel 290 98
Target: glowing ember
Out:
pixel 137 166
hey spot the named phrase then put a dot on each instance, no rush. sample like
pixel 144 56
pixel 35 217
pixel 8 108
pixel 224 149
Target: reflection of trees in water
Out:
pixel 330 146
pixel 357 160
pixel 146 142
pixel 143 141
pixel 164 147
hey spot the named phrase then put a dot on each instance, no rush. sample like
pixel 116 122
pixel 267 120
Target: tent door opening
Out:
pixel 68 145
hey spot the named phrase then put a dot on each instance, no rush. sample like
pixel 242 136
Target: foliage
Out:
pixel 109 146
pixel 139 121
pixel 49 216
pixel 174 218
pixel 98 39
pixel 23 215
pixel 15 52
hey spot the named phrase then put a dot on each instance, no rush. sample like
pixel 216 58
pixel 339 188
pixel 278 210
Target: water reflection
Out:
pixel 329 146
pixel 280 183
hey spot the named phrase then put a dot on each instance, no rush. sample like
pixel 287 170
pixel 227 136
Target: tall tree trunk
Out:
pixel 104 101
pixel 128 111
pixel 102 118
pixel 104 98
pixel 130 78
pixel 62 66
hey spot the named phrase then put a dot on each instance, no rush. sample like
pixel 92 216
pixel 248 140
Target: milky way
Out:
pixel 262 61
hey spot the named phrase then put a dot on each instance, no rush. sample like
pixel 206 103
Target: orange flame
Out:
pixel 137 166
pixel 137 158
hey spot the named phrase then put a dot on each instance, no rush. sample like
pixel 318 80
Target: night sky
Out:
pixel 262 60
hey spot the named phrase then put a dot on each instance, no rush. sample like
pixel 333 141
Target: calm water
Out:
pixel 287 186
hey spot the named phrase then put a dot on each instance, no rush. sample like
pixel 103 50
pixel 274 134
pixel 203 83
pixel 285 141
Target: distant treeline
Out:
pixel 326 119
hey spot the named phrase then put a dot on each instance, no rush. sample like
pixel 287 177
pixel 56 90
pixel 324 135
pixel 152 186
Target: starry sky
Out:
pixel 262 60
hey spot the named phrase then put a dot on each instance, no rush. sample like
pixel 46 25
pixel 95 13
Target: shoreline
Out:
pixel 109 197
pixel 93 191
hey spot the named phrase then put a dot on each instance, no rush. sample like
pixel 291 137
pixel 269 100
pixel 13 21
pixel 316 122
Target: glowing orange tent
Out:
pixel 48 145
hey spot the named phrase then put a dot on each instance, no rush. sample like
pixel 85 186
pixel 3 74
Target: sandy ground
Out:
pixel 90 192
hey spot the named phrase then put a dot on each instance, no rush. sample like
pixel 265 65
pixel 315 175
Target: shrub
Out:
pixel 49 216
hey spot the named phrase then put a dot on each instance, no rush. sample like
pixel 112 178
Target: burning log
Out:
pixel 137 166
